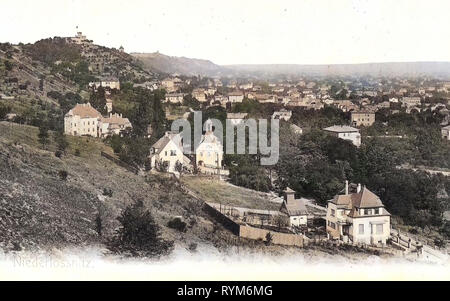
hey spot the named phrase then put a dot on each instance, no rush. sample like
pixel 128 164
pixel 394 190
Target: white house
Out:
pixel 209 152
pixel 174 97
pixel 294 208
pixel 236 96
pixel 445 131
pixel 110 83
pixel 283 114
pixel 169 149
pixel 358 217
pixel 236 118
pixel 345 132
pixel 114 124
pixel 84 120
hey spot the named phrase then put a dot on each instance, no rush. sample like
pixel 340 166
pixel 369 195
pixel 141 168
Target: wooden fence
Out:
pixel 246 231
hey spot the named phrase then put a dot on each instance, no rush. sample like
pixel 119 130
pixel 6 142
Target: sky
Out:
pixel 244 32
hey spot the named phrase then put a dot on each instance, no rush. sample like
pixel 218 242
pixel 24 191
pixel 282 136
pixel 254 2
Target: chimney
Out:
pixel 289 195
pixel 346 187
pixel 358 190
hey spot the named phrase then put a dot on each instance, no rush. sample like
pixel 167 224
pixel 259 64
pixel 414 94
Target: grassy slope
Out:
pixel 38 209
pixel 212 190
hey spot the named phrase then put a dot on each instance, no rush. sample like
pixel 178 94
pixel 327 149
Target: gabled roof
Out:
pixel 295 207
pixel 84 110
pixel 366 199
pixel 363 199
pixel 164 140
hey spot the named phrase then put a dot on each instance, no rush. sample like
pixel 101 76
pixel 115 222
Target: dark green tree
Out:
pixel 139 234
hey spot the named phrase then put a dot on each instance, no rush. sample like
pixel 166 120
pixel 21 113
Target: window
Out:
pixel 380 229
pixel 361 229
pixel 333 212
pixel 377 211
pixel 173 153
pixel 331 225
pixel 366 211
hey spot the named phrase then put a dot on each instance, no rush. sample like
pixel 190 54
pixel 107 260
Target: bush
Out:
pixel 107 192
pixel 63 175
pixel 58 154
pixel 177 224
pixel 413 231
pixel 269 238
pixel 77 152
pixel 193 247
pixel 440 243
pixel 139 234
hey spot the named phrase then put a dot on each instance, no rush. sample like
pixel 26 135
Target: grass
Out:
pixel 215 191
pixel 25 134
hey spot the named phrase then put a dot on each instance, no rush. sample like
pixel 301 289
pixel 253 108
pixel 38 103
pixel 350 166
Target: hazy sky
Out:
pixel 244 31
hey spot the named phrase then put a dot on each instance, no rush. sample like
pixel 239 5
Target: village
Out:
pixel 355 216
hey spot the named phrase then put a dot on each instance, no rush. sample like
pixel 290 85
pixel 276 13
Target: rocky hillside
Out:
pixel 40 209
pixel 158 62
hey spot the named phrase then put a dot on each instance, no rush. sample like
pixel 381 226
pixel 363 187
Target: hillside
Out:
pixel 162 63
pixel 39 210
pixel 158 62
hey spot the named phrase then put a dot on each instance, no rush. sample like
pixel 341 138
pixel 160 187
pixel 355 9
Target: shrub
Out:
pixel 63 175
pixel 193 247
pixel 77 152
pixel 269 238
pixel 139 234
pixel 413 231
pixel 440 243
pixel 58 154
pixel 177 224
pixel 107 192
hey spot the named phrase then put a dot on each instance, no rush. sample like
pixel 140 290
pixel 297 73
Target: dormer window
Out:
pixel 366 211
pixel 377 211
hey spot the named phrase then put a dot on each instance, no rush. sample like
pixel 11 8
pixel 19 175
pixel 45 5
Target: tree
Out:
pixel 98 224
pixel 4 110
pixel 281 221
pixel 43 136
pixel 139 234
pixel 269 238
pixel 61 141
pixel 163 166
pixel 179 167
pixel 98 100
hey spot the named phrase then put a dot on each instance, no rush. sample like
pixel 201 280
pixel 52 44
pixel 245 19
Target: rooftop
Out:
pixel 341 129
